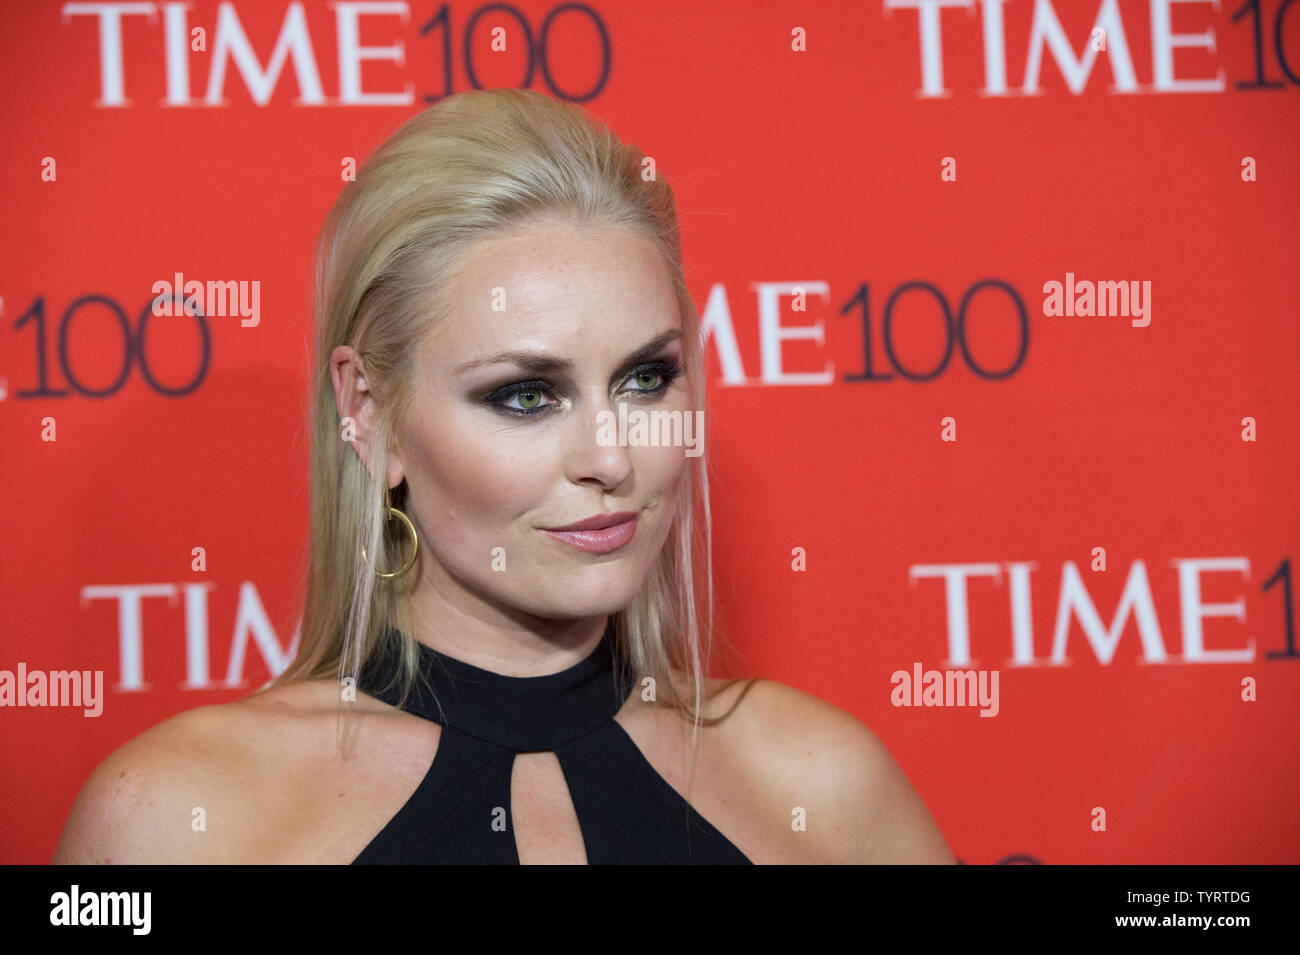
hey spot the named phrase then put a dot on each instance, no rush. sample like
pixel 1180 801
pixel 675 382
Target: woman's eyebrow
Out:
pixel 541 362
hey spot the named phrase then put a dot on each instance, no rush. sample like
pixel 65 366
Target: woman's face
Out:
pixel 550 325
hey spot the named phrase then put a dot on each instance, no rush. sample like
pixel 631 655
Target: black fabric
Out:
pixel 460 812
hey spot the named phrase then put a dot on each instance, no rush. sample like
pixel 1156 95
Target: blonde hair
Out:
pixel 475 165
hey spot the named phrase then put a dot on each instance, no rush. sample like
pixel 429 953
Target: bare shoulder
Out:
pixel 200 786
pixel 139 802
pixel 720 696
pixel 821 768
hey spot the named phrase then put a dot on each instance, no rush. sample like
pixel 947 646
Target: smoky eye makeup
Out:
pixel 527 398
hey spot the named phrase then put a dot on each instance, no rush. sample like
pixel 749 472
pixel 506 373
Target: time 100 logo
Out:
pixel 132 341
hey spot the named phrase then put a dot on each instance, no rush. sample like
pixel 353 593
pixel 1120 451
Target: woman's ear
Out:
pixel 358 408
pixel 396 472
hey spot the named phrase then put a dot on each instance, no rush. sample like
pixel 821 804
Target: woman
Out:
pixel 521 667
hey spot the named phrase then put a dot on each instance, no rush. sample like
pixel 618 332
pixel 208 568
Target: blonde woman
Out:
pixel 507 629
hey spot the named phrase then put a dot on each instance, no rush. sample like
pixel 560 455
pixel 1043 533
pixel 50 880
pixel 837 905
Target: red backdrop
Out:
pixel 1101 509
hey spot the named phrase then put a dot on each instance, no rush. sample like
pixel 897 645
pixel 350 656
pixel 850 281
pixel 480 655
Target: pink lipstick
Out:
pixel 600 534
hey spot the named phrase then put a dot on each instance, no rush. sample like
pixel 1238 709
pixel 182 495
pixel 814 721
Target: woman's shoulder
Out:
pixel 141 802
pixel 200 785
pixel 825 777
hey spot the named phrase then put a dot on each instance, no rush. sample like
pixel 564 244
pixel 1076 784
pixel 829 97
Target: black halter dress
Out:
pixel 460 812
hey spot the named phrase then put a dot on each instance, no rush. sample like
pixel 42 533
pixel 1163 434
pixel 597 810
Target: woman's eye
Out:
pixel 529 400
pixel 666 371
pixel 642 376
pixel 526 399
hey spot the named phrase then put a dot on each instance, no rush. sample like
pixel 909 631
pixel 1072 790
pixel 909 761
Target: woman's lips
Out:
pixel 600 541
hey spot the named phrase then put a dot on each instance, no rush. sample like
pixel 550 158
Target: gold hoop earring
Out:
pixel 415 542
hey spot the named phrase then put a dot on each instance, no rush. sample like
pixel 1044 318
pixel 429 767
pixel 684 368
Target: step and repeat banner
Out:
pixel 1001 303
